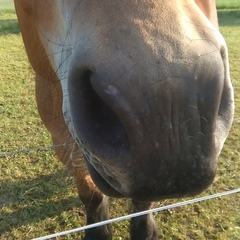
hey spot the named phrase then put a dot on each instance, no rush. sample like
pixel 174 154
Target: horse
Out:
pixel 137 94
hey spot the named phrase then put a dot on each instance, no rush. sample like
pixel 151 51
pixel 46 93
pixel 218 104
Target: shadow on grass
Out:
pixel 9 26
pixel 230 18
pixel 29 201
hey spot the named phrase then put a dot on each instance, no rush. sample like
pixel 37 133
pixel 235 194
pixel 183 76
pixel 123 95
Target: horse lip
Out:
pixel 109 175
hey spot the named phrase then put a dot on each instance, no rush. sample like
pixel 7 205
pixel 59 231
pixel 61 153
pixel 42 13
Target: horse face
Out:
pixel 145 86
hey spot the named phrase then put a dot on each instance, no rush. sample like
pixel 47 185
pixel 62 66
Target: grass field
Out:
pixel 228 4
pixel 6 4
pixel 38 196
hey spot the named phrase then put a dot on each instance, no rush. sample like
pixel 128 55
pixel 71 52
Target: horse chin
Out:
pixel 105 182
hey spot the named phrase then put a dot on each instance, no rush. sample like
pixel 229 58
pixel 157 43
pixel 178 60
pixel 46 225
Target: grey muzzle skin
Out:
pixel 150 138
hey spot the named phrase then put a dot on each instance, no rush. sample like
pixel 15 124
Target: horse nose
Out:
pixel 101 117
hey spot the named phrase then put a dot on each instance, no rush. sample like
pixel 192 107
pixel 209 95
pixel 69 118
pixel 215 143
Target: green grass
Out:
pixel 228 4
pixel 8 23
pixel 38 196
pixel 6 4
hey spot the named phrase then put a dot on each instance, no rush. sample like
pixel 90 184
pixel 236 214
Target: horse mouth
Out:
pixel 107 179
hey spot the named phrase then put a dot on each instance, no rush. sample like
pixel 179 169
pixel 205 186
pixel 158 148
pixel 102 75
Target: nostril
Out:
pixel 94 121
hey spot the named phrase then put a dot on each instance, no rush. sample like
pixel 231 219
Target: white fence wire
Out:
pixel 7 154
pixel 175 205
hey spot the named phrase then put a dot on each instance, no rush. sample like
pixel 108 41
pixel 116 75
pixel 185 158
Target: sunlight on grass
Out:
pixel 228 4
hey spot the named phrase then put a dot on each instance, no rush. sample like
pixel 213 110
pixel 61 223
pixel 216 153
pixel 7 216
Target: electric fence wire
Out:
pixel 175 205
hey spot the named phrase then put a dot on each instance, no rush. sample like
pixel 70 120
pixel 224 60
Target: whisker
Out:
pixel 204 119
pixel 57 44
